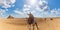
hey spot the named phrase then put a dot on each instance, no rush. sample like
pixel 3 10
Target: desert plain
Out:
pixel 21 24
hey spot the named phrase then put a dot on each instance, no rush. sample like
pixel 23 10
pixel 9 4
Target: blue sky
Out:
pixel 54 4
pixel 20 8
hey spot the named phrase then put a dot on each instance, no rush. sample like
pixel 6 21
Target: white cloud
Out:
pixel 3 11
pixel 18 12
pixel 33 12
pixel 7 3
pixel 42 5
pixel 55 11
pixel 52 13
pixel 26 8
pixel 31 2
pixel 42 2
pixel 46 7
pixel 12 1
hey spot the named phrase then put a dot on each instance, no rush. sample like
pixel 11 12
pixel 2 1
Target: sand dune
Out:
pixel 21 24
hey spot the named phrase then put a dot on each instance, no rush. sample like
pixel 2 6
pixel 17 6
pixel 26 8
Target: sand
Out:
pixel 21 24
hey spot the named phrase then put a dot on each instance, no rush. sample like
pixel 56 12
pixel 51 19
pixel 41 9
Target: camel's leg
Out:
pixel 33 26
pixel 37 26
pixel 29 26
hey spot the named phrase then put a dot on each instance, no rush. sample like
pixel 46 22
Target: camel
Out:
pixel 32 22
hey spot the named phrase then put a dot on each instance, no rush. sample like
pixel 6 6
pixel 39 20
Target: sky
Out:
pixel 20 8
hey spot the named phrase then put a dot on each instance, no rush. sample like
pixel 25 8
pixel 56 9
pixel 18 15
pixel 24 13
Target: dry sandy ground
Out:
pixel 21 24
